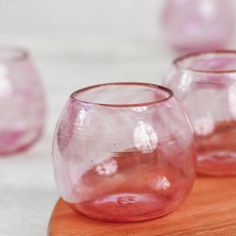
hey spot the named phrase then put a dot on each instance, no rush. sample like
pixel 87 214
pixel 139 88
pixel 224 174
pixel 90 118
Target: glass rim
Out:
pixel 124 105
pixel 21 53
pixel 190 55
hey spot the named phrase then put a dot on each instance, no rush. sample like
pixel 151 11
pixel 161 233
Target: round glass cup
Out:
pixel 193 25
pixel 22 101
pixel 205 83
pixel 124 152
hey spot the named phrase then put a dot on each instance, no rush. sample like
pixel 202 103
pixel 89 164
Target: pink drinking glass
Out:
pixel 124 152
pixel 205 83
pixel 21 101
pixel 191 25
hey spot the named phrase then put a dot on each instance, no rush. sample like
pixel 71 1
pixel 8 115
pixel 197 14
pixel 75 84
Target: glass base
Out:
pixel 126 207
pixel 13 142
pixel 217 163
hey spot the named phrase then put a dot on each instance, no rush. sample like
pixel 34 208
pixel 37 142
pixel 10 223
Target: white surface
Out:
pixel 76 17
pixel 27 187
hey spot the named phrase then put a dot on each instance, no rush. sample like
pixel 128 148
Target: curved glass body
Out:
pixel 206 85
pixel 22 102
pixel 191 25
pixel 124 152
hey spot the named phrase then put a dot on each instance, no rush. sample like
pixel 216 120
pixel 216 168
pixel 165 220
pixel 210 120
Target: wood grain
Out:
pixel 209 210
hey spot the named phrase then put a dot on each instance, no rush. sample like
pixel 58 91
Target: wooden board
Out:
pixel 209 210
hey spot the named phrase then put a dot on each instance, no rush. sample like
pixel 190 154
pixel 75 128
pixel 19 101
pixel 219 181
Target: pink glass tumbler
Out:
pixel 21 101
pixel 124 152
pixel 193 25
pixel 205 83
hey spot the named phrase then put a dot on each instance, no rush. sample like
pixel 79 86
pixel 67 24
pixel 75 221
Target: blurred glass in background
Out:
pixel 22 101
pixel 193 25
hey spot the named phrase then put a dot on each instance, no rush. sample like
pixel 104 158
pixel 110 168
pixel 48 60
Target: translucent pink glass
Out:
pixel 192 25
pixel 21 101
pixel 124 152
pixel 206 85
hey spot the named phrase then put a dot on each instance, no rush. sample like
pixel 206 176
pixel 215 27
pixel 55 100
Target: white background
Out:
pixel 75 43
pixel 75 17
